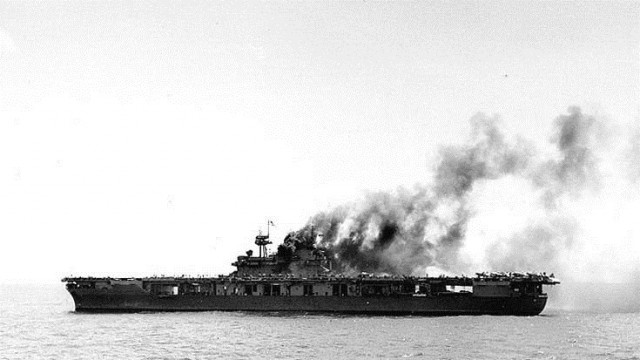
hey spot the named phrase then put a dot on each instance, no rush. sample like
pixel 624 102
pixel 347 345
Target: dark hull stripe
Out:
pixel 438 305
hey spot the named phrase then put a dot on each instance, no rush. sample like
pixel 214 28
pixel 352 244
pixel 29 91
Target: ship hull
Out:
pixel 451 304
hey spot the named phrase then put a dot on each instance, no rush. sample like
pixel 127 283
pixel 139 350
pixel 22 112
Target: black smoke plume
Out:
pixel 426 228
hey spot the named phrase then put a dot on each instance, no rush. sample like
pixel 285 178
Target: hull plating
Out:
pixel 449 304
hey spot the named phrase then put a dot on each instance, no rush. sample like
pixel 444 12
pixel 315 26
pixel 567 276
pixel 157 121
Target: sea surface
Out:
pixel 38 322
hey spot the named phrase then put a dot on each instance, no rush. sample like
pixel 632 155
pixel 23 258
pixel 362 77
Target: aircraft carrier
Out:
pixel 299 277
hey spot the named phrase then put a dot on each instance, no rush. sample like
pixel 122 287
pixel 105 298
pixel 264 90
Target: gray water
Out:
pixel 38 322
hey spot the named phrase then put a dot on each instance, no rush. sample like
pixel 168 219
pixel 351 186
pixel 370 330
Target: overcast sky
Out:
pixel 158 137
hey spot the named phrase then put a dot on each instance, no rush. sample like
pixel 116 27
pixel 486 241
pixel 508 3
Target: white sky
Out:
pixel 141 138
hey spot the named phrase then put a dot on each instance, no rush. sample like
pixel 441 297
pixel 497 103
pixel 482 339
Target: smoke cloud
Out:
pixel 498 203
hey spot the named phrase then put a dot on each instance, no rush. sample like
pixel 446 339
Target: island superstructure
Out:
pixel 299 277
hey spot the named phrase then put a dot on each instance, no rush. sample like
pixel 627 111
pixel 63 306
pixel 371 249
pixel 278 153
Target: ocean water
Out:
pixel 38 322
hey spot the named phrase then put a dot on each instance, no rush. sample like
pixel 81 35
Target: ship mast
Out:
pixel 262 241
